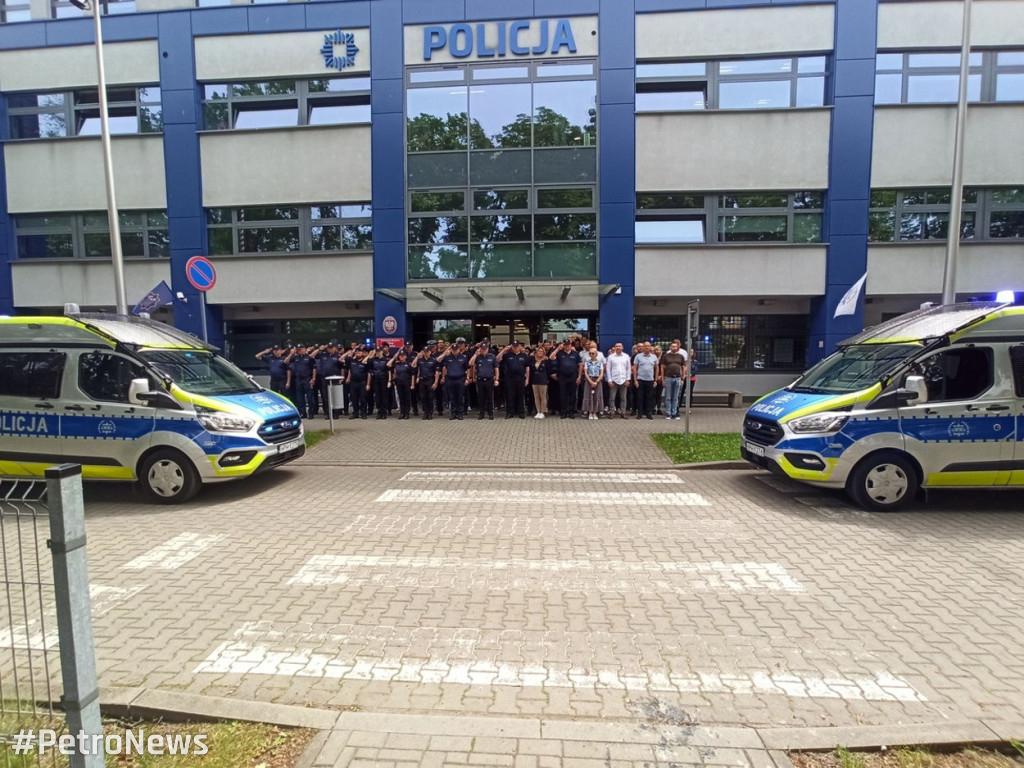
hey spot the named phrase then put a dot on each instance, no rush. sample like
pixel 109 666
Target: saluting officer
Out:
pixel 515 365
pixel 302 373
pixel 358 382
pixel 380 378
pixel 454 363
pixel 330 365
pixel 569 372
pixel 485 372
pixel 426 371
pixel 403 379
pixel 410 355
pixel 277 367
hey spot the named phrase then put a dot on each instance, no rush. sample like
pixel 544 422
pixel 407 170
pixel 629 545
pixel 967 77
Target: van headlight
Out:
pixel 219 421
pixel 818 422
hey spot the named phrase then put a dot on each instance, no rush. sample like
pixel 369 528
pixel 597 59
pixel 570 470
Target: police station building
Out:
pixel 514 168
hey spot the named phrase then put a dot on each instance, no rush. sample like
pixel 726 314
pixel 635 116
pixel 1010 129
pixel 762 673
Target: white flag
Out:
pixel 848 304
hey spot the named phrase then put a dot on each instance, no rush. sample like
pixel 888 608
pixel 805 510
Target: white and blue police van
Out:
pixel 132 399
pixel 930 399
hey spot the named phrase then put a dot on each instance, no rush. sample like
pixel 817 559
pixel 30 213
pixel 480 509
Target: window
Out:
pixel 1017 364
pixel 735 342
pixel 958 374
pixel 995 213
pixel 933 77
pixel 286 103
pixel 762 217
pixel 503 233
pixel 289 229
pixel 15 10
pixel 144 235
pixel 131 109
pixel 777 83
pixel 106 377
pixel 31 374
pixel 502 170
pixel 62 9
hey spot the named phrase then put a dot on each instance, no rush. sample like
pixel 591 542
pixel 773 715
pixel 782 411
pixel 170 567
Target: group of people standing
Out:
pixel 567 379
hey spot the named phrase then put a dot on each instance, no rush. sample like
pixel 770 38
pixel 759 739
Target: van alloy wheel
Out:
pixel 887 484
pixel 884 481
pixel 168 476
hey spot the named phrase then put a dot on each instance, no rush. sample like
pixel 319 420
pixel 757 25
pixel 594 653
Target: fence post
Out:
pixel 74 610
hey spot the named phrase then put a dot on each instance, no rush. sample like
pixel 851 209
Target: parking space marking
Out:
pixel 548 498
pixel 40 634
pixel 566 575
pixel 650 478
pixel 174 553
pixel 440 527
pixel 473 657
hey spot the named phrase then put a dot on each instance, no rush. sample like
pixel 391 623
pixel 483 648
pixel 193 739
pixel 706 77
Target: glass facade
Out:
pixel 502 171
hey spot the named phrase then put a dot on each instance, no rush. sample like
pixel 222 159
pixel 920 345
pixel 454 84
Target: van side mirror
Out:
pixel 139 394
pixel 914 390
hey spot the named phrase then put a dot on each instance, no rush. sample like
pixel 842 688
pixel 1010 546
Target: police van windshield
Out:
pixel 199 372
pixel 854 368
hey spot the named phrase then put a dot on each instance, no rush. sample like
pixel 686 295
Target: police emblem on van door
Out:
pixel 339 50
pixel 959 430
pixel 107 428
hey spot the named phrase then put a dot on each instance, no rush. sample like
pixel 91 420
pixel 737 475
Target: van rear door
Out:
pixel 31 381
pixel 963 435
pixel 1017 364
pixel 103 431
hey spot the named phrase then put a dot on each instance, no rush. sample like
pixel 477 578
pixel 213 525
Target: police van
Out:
pixel 932 399
pixel 137 400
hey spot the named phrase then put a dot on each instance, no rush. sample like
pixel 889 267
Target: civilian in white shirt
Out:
pixel 618 372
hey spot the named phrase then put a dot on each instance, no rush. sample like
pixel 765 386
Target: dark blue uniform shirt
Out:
pixel 515 363
pixel 403 372
pixel 330 365
pixel 302 367
pixel 455 365
pixel 485 365
pixel 568 363
pixel 357 368
pixel 278 367
pixel 426 367
pixel 378 367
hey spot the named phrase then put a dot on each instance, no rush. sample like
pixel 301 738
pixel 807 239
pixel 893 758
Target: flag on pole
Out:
pixel 848 304
pixel 160 296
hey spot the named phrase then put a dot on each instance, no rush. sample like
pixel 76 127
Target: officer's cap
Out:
pixel 332 343
pixel 516 342
pixel 276 346
pixel 300 345
pixel 432 343
pixel 460 340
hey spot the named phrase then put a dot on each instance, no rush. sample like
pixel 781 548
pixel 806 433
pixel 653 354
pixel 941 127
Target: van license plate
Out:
pixel 757 450
pixel 291 445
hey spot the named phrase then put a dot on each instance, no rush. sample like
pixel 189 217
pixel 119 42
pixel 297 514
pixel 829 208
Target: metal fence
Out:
pixel 29 646
pixel 45 619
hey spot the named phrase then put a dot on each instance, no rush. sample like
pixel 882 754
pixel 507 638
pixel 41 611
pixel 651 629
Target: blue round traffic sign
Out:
pixel 200 272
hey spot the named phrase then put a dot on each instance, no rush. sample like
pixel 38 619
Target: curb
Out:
pixel 174 706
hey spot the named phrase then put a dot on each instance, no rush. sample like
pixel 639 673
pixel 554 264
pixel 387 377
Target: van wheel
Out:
pixel 168 477
pixel 884 482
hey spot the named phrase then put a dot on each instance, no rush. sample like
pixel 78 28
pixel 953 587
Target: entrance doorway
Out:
pixel 501 329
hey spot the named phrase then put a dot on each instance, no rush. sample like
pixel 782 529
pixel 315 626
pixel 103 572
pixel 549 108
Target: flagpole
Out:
pixel 957 191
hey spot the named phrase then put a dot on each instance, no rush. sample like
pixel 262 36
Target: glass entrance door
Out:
pixel 501 329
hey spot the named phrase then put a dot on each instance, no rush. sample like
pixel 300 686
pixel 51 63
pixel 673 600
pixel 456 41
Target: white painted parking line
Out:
pixel 555 476
pixel 564 575
pixel 174 553
pixel 470 657
pixel 659 527
pixel 585 498
pixel 39 634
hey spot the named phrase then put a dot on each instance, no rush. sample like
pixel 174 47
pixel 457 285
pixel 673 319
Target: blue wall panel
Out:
pixel 617 169
pixel 133 26
pixel 7 250
pixel 69 31
pixel 388 163
pixel 334 15
pixel 434 12
pixel 849 175
pixel 22 36
pixel 507 9
pixel 567 7
pixel 220 21
pixel 277 18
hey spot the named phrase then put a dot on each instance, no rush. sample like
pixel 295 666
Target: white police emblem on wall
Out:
pixel 339 50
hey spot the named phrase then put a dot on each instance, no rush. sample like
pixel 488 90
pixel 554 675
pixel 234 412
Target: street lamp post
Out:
pixel 957 192
pixel 116 255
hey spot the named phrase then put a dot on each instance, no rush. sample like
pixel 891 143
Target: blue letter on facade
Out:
pixel 461 52
pixel 513 37
pixel 563 36
pixel 434 39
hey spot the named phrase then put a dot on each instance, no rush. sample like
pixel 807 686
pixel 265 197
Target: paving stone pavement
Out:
pixel 693 599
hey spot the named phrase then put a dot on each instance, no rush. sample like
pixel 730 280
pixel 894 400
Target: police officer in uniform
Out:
pixel 357 381
pixel 277 367
pixel 380 378
pixel 441 396
pixel 410 355
pixel 515 364
pixel 403 379
pixel 454 363
pixel 569 373
pixel 484 366
pixel 302 373
pixel 425 368
pixel 330 365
